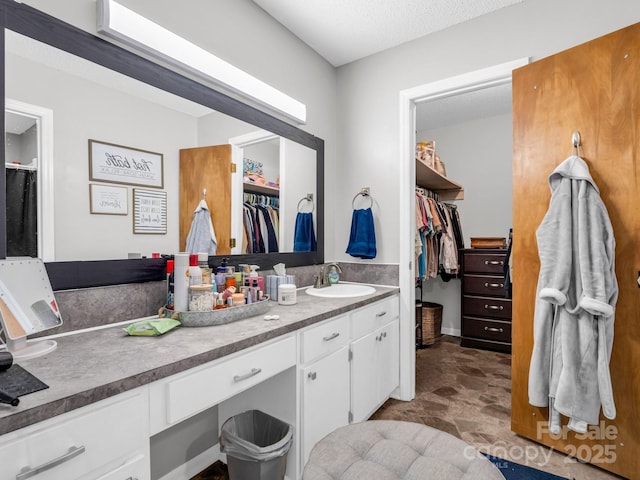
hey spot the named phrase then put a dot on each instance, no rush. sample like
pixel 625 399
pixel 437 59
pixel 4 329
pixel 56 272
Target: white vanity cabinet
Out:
pixel 375 365
pixel 324 381
pixel 108 440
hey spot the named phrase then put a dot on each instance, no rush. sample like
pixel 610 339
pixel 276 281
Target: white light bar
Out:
pixel 133 29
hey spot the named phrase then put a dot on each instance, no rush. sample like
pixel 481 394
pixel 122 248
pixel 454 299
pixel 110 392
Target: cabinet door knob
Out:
pixel 493 285
pixel 383 334
pixel 494 307
pixel 493 330
pixel 312 375
pixel 331 337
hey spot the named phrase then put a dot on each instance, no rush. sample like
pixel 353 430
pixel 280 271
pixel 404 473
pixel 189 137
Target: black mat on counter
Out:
pixel 16 382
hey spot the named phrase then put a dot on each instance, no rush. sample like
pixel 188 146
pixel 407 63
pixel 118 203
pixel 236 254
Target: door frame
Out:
pixel 44 122
pixel 408 99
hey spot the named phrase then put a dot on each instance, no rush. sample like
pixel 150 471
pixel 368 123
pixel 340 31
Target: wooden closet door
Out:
pixel 592 88
pixel 210 168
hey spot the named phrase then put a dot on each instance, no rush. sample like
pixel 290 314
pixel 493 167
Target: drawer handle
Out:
pixel 493 262
pixel 28 472
pixel 381 314
pixel 312 375
pixel 383 334
pixel 493 330
pixel 252 373
pixel 493 285
pixel 494 307
pixel 331 337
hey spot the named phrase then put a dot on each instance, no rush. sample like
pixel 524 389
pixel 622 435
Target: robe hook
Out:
pixel 576 142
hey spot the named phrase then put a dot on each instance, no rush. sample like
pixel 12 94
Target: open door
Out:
pixel 207 168
pixel 592 88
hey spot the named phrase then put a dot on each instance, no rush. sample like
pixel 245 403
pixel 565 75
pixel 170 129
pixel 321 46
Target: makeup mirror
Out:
pixel 27 306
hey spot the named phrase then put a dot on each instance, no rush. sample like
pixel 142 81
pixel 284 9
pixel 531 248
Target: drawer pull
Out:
pixel 252 373
pixel 312 375
pixel 493 330
pixel 381 314
pixel 383 334
pixel 331 337
pixel 494 307
pixel 493 285
pixel 28 472
pixel 493 262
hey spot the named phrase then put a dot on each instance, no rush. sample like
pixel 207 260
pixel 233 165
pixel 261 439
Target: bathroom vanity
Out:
pixel 324 363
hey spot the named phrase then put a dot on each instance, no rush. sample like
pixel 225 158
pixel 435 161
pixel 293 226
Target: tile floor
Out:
pixel 467 393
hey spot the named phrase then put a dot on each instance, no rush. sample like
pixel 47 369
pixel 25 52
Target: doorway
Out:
pixel 23 119
pixel 409 100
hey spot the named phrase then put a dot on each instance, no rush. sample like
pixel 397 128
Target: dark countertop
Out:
pixel 87 367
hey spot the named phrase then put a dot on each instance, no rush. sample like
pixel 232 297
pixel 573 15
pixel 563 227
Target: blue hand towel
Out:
pixel 304 237
pixel 362 240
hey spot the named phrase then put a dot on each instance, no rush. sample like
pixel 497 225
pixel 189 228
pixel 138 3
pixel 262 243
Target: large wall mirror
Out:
pixel 98 91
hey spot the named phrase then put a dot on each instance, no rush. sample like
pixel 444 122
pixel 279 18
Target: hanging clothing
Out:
pixel 22 212
pixel 304 236
pixel 202 237
pixel 260 224
pixel 362 237
pixel 575 302
pixel 438 238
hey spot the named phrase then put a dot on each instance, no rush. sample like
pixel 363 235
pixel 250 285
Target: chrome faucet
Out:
pixel 322 280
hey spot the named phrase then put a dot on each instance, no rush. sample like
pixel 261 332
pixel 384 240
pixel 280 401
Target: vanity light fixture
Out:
pixel 125 25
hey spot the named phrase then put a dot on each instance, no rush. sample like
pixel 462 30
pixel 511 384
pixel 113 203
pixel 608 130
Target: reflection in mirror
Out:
pixel 28 154
pixel 92 102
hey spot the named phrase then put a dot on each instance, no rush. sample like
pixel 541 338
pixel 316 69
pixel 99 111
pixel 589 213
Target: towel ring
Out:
pixel 366 195
pixel 308 199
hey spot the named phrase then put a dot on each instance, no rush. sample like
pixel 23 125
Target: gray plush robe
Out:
pixel 575 303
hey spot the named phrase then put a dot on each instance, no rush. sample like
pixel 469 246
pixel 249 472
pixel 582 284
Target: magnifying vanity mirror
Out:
pixel 98 91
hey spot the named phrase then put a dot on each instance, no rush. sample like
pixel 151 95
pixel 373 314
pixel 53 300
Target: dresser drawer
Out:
pixel 496 330
pixel 80 444
pixel 324 338
pixel 484 262
pixel 487 307
pixel 484 285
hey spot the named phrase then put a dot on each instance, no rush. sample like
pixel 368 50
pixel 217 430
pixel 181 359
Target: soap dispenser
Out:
pixel 333 276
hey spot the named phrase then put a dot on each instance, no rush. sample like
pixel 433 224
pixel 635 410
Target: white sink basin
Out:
pixel 341 290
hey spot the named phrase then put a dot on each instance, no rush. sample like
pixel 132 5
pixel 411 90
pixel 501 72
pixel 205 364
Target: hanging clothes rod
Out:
pixel 18 166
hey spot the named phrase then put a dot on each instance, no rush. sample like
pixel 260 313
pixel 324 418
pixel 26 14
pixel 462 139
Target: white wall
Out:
pixel 368 94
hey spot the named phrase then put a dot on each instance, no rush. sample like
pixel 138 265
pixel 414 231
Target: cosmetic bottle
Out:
pixel 203 263
pixel 170 283
pixel 181 282
pixel 195 274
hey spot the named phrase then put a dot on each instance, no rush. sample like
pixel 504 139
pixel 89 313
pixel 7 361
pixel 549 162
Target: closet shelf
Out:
pixel 264 189
pixel 428 178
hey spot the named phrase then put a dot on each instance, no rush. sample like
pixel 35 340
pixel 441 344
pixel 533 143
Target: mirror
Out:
pixel 119 105
pixel 27 306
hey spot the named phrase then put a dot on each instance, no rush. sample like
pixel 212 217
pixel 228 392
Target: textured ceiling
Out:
pixel 346 30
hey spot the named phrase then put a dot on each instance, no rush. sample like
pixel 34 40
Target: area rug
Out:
pixel 514 471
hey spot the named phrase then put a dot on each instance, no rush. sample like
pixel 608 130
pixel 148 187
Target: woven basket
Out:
pixel 431 322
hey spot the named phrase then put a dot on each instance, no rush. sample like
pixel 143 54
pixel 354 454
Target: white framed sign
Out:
pixel 108 200
pixel 149 211
pixel 117 164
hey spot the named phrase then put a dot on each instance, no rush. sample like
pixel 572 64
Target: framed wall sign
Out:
pixel 149 211
pixel 108 200
pixel 117 164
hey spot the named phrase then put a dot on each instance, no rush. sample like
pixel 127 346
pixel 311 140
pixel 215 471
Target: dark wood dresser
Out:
pixel 486 310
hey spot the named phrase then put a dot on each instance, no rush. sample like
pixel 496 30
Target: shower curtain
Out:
pixel 22 213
